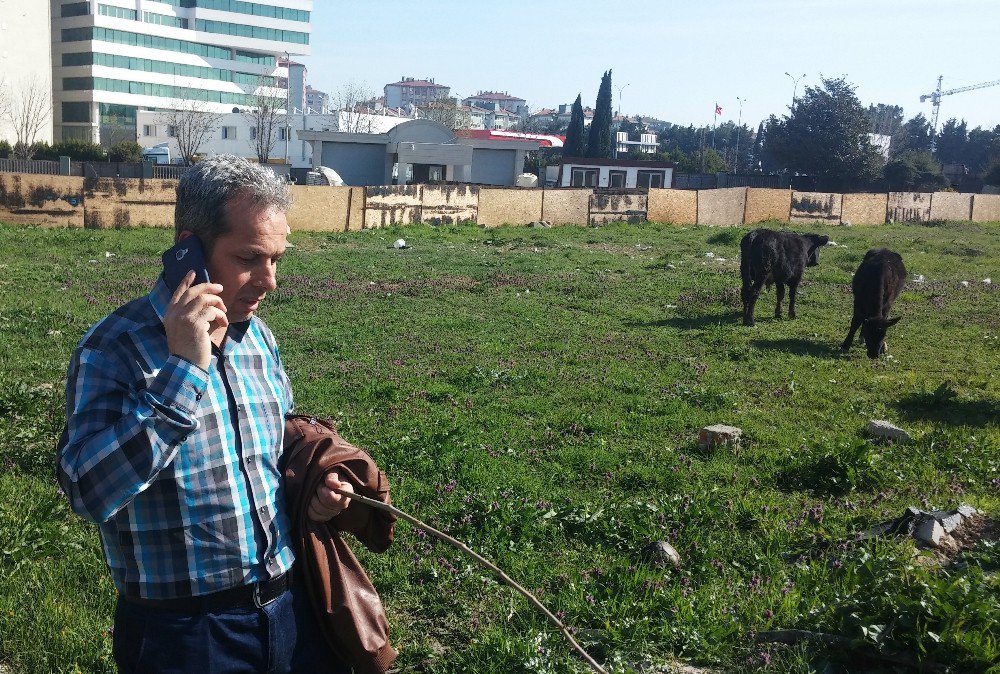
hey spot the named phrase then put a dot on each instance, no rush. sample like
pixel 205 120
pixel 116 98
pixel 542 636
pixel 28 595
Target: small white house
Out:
pixel 624 173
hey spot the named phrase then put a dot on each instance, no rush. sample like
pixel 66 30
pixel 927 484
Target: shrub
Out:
pixel 77 150
pixel 125 151
pixel 5 149
pixel 914 171
pixel 992 175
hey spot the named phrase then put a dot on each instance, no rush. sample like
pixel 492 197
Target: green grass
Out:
pixel 538 393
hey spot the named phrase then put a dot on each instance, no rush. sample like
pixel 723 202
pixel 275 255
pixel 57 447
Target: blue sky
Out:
pixel 673 59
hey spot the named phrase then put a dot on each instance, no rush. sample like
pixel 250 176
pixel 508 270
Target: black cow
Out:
pixel 768 257
pixel 876 284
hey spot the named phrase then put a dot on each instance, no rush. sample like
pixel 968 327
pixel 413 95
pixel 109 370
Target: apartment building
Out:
pixel 411 92
pixel 113 58
pixel 498 100
pixel 25 60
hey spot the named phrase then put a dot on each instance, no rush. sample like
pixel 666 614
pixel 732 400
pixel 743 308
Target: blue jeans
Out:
pixel 280 637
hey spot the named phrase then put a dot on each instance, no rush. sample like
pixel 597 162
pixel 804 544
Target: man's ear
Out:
pixel 183 234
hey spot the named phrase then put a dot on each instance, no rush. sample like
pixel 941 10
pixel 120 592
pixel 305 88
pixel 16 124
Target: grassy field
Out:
pixel 538 394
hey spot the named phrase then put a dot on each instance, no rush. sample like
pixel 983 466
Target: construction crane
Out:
pixel 936 95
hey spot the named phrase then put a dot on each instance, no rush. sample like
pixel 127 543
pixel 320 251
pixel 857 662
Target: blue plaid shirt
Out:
pixel 179 467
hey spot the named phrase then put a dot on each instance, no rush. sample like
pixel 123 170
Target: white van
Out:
pixel 158 154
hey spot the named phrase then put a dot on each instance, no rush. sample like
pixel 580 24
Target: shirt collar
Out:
pixel 159 298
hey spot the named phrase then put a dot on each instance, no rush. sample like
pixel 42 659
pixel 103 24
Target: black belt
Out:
pixel 253 595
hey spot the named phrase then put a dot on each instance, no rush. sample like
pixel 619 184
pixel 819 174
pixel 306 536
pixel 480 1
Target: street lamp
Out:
pixel 795 84
pixel 288 102
pixel 620 97
pixel 739 127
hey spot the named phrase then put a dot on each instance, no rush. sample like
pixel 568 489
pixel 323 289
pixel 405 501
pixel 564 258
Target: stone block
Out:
pixel 711 437
pixel 883 429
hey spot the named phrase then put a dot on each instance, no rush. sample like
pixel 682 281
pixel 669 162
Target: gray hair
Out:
pixel 206 188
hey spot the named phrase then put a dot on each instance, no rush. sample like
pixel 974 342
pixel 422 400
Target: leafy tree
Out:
pixel 914 135
pixel 884 119
pixel 992 175
pixel 914 171
pixel 126 151
pixel 826 136
pixel 599 139
pixel 575 132
pixel 5 149
pixel 951 142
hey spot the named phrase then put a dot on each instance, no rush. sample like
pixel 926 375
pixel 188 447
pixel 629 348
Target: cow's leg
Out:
pixel 793 289
pixel 855 324
pixel 750 301
pixel 779 291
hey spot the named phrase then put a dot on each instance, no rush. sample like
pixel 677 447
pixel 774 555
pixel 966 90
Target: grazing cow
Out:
pixel 876 285
pixel 768 257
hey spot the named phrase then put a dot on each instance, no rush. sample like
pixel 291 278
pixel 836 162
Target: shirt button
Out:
pixel 250 460
pixel 262 510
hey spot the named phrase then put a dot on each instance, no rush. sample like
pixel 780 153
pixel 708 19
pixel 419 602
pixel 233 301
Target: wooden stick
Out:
pixel 484 562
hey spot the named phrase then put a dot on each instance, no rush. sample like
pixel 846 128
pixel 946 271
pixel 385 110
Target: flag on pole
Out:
pixel 718 109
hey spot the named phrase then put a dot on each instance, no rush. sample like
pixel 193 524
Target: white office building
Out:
pixel 113 58
pixel 25 61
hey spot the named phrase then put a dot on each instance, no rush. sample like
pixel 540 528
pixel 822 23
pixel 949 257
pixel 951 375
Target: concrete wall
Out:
pixel 512 206
pixel 986 208
pixel 908 207
pixel 767 204
pixel 392 205
pixel 321 208
pixel 723 207
pixel 566 207
pixel 951 206
pixel 449 204
pixel 128 202
pixel 55 201
pixel 605 208
pixel 679 207
pixel 816 207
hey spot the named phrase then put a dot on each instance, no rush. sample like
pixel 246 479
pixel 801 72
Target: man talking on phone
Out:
pixel 175 409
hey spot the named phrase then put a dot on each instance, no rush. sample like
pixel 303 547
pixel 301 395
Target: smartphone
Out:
pixel 182 257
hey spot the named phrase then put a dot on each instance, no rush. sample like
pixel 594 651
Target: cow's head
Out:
pixel 816 241
pixel 873 332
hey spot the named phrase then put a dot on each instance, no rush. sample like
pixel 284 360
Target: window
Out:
pixel 76 112
pixel 171 131
pixel 148 129
pixel 75 9
pixel 164 20
pixel 616 179
pixel 282 133
pixel 253 133
pixel 649 179
pixel 229 133
pixel 117 12
pixel 582 177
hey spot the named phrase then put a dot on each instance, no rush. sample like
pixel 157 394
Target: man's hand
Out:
pixel 193 313
pixel 326 503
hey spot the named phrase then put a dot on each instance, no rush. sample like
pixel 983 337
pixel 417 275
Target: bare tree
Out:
pixel 448 112
pixel 354 105
pixel 4 99
pixel 265 118
pixel 190 123
pixel 27 109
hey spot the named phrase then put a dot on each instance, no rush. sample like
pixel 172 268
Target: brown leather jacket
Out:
pixel 350 612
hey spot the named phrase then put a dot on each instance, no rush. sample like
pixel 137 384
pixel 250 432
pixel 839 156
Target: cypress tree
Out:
pixel 599 140
pixel 576 133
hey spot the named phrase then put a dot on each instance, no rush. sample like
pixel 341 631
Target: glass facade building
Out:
pixel 113 58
